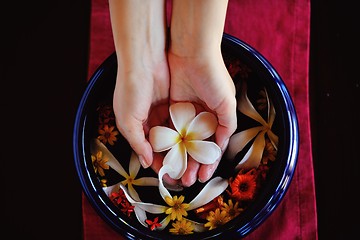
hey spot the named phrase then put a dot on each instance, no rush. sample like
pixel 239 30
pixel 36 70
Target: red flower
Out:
pixel 153 224
pixel 118 197
pixel 127 208
pixel 243 187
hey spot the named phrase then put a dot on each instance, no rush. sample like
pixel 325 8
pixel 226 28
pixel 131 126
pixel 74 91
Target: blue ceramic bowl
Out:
pixel 245 64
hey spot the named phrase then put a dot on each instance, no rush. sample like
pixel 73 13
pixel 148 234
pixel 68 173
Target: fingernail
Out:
pixel 190 181
pixel 207 177
pixel 143 162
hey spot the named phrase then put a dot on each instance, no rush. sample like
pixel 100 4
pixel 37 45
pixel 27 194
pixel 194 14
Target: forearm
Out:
pixel 197 27
pixel 139 31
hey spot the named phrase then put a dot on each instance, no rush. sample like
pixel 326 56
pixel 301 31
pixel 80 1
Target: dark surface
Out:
pixel 44 52
pixel 335 110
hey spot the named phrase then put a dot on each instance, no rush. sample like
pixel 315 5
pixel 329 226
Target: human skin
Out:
pixel 150 76
pixel 198 73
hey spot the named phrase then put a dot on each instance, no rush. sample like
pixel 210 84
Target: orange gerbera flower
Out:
pixel 243 187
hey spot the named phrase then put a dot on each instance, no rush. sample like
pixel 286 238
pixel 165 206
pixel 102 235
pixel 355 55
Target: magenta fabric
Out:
pixel 280 31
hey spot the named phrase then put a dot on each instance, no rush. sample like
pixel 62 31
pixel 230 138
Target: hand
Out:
pixel 141 101
pixel 205 81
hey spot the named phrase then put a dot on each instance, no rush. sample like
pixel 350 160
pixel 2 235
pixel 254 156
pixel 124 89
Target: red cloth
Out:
pixel 280 31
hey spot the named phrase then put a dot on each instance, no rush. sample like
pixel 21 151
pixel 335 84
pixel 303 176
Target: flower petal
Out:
pixel 163 191
pixel 202 126
pixel 163 138
pixel 110 189
pixel 97 145
pixel 198 227
pixel 204 152
pixel 140 215
pixel 273 138
pixel 164 222
pixel 245 106
pixel 211 190
pixel 182 113
pixel 176 158
pixel 133 193
pixel 253 157
pixel 134 165
pixel 148 207
pixel 146 181
pixel 239 140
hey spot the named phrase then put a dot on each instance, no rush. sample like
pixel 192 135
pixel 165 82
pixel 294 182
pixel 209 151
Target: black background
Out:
pixel 44 56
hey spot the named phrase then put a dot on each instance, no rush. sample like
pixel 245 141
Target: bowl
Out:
pixel 256 169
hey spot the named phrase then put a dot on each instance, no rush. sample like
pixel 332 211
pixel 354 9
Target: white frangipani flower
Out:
pixel 189 136
pixel 239 140
pixel 130 178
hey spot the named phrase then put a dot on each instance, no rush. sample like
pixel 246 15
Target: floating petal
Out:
pixel 245 106
pixel 134 165
pixel 148 207
pixel 164 222
pixel 110 189
pixel 273 138
pixel 212 189
pixel 140 215
pixel 146 181
pixel 165 169
pixel 204 152
pixel 133 193
pixel 239 140
pixel 253 157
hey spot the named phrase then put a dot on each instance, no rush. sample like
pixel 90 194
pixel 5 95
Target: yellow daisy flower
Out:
pixel 177 208
pixel 108 134
pixel 182 227
pixel 216 219
pixel 99 163
pixel 231 209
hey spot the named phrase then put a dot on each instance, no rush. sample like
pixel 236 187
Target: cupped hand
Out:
pixel 205 81
pixel 141 89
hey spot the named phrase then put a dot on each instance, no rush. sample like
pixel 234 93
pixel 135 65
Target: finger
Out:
pixel 222 136
pixel 227 125
pixel 207 170
pixel 133 131
pixel 190 175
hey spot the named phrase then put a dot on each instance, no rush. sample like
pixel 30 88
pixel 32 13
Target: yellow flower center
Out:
pixel 177 208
